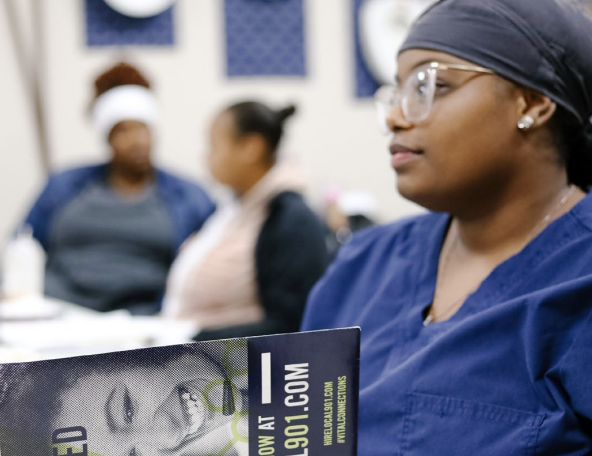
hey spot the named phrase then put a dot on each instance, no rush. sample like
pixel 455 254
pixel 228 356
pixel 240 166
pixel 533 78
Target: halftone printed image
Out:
pixel 180 400
pixel 289 394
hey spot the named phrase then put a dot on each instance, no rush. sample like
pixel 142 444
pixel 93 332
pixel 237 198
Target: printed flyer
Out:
pixel 285 395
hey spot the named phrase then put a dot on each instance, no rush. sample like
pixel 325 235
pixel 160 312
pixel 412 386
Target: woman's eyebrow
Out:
pixel 417 65
pixel 423 62
pixel 109 414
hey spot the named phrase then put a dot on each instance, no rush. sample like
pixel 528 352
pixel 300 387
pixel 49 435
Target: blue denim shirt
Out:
pixel 509 374
pixel 188 204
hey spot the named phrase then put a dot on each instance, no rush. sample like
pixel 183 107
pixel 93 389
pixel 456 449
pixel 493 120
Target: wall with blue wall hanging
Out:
pixel 107 27
pixel 265 38
pixel 366 85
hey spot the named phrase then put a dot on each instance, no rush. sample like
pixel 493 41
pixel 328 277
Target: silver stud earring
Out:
pixel 525 123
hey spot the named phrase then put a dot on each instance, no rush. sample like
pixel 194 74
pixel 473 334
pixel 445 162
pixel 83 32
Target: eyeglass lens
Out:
pixel 416 96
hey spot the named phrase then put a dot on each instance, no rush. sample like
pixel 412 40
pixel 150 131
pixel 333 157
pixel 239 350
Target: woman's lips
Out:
pixel 185 423
pixel 198 420
pixel 193 410
pixel 402 155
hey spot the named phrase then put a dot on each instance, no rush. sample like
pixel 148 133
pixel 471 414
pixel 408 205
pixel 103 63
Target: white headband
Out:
pixel 127 102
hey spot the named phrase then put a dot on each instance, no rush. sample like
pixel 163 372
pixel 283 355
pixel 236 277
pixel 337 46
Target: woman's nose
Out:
pixel 396 121
pixel 141 137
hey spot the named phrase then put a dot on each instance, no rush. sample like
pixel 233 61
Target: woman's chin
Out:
pixel 428 198
pixel 411 188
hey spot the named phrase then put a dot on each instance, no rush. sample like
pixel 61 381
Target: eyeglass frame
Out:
pixel 398 89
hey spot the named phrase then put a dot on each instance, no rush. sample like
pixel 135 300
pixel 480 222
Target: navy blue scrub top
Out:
pixel 509 374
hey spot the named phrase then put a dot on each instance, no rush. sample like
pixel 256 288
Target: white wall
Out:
pixel 20 167
pixel 334 136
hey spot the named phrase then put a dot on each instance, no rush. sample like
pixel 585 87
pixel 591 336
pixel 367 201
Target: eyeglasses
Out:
pixel 416 95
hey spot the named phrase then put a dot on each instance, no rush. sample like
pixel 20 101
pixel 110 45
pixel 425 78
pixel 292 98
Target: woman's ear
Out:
pixel 540 108
pixel 254 148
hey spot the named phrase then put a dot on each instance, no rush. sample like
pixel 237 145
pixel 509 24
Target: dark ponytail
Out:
pixel 286 112
pixel 255 117
pixel 574 142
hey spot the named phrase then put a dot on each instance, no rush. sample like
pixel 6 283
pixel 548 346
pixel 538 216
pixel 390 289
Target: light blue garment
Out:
pixel 188 204
pixel 185 205
pixel 108 252
pixel 509 374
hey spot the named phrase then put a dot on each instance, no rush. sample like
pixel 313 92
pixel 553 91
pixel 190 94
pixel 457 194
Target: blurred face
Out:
pixel 175 410
pixel 225 158
pixel 131 142
pixel 465 145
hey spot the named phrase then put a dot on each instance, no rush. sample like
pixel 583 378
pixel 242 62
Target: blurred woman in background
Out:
pixel 249 271
pixel 111 231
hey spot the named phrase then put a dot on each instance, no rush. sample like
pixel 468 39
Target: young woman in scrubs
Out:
pixel 477 317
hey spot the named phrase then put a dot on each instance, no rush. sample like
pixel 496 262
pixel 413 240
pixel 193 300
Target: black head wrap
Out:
pixel 545 45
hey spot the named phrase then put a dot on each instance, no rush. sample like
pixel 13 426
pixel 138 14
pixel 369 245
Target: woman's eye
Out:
pixel 128 411
pixel 441 89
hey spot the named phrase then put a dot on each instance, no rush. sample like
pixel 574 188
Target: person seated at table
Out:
pixel 477 318
pixel 249 271
pixel 111 230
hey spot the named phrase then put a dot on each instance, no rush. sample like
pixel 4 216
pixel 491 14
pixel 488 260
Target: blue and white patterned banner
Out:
pixel 265 38
pixel 107 27
pixel 366 85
